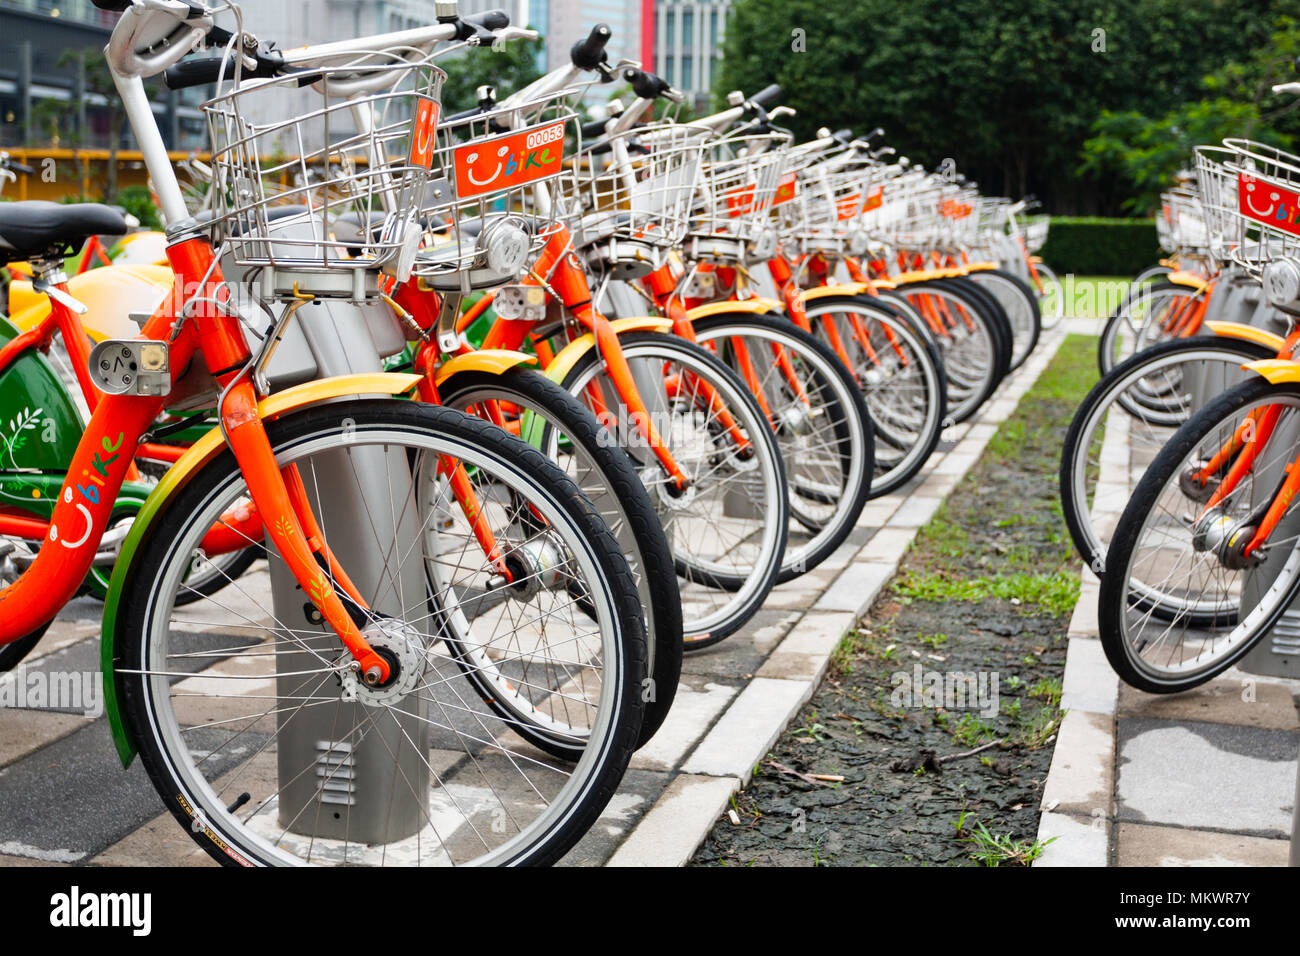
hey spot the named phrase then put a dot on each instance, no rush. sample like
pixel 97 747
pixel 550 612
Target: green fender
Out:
pixel 198 455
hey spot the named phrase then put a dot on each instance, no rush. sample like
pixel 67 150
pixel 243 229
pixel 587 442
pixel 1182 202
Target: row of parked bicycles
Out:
pixel 1180 469
pixel 432 442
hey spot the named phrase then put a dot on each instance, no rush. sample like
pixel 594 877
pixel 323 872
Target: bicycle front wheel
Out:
pixel 1139 405
pixel 821 424
pixel 253 726
pixel 727 528
pixel 1175 553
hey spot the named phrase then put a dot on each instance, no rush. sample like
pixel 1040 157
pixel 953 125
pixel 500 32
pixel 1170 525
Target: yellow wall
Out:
pixel 90 164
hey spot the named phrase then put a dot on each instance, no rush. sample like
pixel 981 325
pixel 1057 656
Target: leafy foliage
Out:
pixel 1094 246
pixel 1236 100
pixel 508 67
pixel 1008 88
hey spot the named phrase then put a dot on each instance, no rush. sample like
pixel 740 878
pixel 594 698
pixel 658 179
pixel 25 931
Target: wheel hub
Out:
pixel 399 644
pixel 1226 538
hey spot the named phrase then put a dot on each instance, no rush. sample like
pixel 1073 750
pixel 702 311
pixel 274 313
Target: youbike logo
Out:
pixel 786 189
pixel 1274 206
pixel 873 200
pixel 848 207
pixel 505 162
pixel 423 132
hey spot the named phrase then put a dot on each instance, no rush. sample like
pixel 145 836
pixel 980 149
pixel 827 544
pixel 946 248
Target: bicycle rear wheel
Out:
pixel 901 377
pixel 821 423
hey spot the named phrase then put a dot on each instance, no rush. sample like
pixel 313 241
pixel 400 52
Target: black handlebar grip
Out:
pixel 874 136
pixel 646 85
pixel 22 168
pixel 594 130
pixel 590 53
pixel 115 5
pixel 766 95
pixel 489 19
pixel 198 72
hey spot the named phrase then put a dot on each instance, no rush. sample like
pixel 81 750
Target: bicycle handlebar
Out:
pixel 766 95
pixel 648 86
pixel 590 53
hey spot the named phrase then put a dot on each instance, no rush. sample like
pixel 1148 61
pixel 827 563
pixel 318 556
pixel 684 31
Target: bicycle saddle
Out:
pixel 36 229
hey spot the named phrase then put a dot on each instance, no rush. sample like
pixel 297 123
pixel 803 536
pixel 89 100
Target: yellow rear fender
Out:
pixel 568 356
pixel 1239 330
pixel 837 289
pixel 1189 279
pixel 110 294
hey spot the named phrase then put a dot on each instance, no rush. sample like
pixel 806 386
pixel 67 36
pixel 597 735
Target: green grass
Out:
pixel 1057 592
pixel 994 539
pixel 992 849
pixel 1093 297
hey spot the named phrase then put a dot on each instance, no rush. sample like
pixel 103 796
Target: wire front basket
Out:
pixel 741 175
pixel 1266 225
pixel 632 203
pixel 495 196
pixel 832 192
pixel 332 191
pixel 1036 230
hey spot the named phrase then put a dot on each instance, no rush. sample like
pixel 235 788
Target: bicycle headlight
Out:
pixel 505 247
pixel 764 244
pixel 858 241
pixel 1281 280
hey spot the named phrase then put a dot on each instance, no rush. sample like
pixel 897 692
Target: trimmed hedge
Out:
pixel 1091 246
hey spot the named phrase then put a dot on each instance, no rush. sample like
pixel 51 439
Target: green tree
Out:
pixel 508 67
pixel 1008 88
pixel 1236 100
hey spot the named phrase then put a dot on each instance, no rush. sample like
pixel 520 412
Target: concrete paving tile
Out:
pixel 1206 776
pixel 678 822
pixel 1076 841
pixel 697 705
pixel 916 513
pixel 1081 778
pixel 1241 701
pixel 1089 683
pixel 636 794
pixel 24 731
pixel 1138 845
pixel 856 587
pixel 806 651
pixel 744 733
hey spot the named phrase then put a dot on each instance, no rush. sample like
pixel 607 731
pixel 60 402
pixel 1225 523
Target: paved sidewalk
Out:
pixel 68 801
pixel 1204 778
